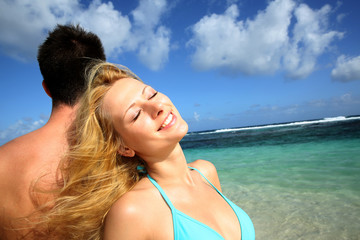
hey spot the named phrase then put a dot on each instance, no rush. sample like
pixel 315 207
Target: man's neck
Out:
pixel 62 116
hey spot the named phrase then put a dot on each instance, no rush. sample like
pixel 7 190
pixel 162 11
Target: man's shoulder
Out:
pixel 20 161
pixel 18 150
pixel 34 145
pixel 16 145
pixel 14 164
pixel 11 180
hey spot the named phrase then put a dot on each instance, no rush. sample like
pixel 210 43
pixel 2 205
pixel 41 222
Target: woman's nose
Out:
pixel 155 108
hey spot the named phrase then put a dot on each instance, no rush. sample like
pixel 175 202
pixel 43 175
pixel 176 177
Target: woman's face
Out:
pixel 146 120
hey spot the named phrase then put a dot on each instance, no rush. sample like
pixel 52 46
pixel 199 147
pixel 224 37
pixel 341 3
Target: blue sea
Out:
pixel 298 180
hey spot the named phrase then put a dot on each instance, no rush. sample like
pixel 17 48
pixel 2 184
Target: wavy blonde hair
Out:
pixel 94 175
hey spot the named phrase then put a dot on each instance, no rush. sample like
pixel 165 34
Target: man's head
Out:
pixel 63 58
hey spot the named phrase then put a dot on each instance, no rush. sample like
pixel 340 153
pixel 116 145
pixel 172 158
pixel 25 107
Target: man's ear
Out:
pixel 126 152
pixel 46 89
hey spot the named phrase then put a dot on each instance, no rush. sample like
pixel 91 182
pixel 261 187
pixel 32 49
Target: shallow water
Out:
pixel 295 181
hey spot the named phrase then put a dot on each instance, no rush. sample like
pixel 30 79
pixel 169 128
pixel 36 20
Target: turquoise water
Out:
pixel 295 181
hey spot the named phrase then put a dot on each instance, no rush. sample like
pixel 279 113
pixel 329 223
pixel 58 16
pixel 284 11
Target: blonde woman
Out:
pixel 126 176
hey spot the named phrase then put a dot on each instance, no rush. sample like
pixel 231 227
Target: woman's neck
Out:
pixel 171 169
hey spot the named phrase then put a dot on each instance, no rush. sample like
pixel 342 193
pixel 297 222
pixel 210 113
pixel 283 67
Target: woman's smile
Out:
pixel 168 122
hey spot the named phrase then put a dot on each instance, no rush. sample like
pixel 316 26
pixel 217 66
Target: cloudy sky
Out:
pixel 224 63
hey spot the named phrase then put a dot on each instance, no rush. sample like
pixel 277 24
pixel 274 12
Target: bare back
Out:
pixel 23 161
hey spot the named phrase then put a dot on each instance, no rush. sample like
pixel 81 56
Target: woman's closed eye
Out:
pixel 139 111
pixel 137 115
pixel 153 95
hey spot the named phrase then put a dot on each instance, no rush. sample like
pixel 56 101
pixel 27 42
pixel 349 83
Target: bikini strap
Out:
pixel 206 179
pixel 162 192
pixel 168 202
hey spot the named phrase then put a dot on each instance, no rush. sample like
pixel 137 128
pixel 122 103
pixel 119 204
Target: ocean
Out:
pixel 298 180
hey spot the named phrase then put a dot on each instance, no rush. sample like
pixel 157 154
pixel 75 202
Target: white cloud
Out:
pixel 310 40
pixel 32 19
pixel 20 128
pixel 265 44
pixel 109 24
pixel 154 39
pixel 23 24
pixel 347 97
pixel 340 17
pixel 196 116
pixel 154 52
pixel 347 69
pixel 148 13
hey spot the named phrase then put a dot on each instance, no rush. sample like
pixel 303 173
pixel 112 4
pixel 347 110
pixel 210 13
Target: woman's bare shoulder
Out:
pixel 204 166
pixel 209 170
pixel 129 217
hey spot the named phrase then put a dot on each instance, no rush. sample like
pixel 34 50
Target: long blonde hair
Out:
pixel 94 175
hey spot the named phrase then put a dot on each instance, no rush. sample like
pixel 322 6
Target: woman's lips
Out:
pixel 168 122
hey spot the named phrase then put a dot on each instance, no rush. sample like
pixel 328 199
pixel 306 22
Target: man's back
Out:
pixel 29 163
pixel 29 159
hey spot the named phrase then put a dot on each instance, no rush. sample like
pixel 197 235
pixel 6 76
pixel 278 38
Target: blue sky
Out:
pixel 224 63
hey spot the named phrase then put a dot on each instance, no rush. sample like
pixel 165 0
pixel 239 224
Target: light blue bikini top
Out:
pixel 187 228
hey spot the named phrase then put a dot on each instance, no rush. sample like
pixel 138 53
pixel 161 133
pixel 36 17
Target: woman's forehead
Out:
pixel 122 92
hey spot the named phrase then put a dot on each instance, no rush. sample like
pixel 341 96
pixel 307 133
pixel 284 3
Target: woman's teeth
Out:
pixel 167 121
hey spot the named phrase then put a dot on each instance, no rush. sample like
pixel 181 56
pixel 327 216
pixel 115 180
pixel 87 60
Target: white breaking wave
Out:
pixel 331 119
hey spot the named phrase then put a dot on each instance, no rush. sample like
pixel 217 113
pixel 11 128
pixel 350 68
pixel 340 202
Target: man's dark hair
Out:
pixel 63 58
